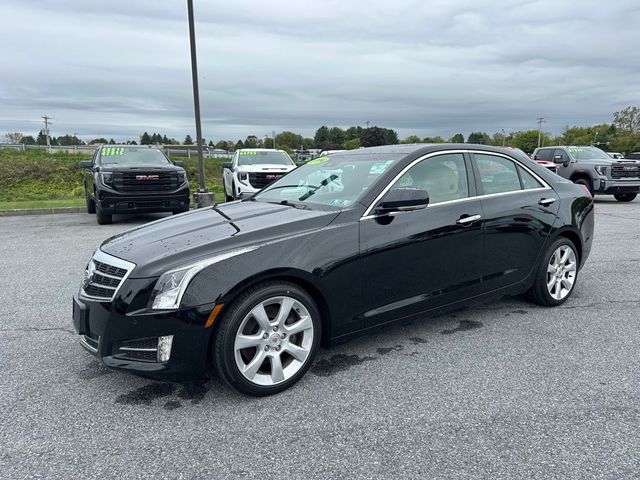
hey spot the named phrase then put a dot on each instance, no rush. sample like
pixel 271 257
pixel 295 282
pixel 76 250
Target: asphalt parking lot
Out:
pixel 499 390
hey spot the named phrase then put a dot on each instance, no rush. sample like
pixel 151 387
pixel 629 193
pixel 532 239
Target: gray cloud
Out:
pixel 117 68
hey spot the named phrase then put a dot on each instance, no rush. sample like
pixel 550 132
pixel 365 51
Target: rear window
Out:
pixel 256 157
pixel 132 156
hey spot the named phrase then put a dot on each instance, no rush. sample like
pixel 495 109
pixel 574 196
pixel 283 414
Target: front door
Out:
pixel 414 261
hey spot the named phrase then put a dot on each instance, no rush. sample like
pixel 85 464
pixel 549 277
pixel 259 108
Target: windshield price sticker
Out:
pixel 248 153
pixel 112 151
pixel 319 160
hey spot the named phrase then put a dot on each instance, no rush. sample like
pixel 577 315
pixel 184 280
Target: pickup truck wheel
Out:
pixel 91 204
pixel 267 338
pixel 227 198
pixel 586 183
pixel 557 274
pixel 103 218
pixel 625 197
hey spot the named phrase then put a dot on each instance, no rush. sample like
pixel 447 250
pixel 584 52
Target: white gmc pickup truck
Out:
pixel 252 169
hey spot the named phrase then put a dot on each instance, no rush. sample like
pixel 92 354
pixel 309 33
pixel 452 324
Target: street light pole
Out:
pixel 201 200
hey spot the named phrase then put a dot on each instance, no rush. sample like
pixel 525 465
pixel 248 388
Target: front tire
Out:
pixel 586 183
pixel 557 274
pixel 267 338
pixel 227 198
pixel 625 197
pixel 91 204
pixel 103 218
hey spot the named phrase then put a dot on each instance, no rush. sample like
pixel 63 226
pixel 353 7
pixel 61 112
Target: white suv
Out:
pixel 253 169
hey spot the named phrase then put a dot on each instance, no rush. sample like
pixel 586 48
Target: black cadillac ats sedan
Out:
pixel 340 246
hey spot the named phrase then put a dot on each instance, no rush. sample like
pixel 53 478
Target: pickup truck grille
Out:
pixel 103 276
pixel 262 179
pixel 625 171
pixel 145 181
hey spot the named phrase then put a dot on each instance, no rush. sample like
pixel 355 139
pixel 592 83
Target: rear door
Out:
pixel 518 210
pixel 414 261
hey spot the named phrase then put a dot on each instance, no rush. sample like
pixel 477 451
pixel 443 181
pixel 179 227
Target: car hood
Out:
pixel 175 241
pixel 140 168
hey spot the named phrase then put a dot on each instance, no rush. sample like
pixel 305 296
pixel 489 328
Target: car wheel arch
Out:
pixel 575 238
pixel 297 277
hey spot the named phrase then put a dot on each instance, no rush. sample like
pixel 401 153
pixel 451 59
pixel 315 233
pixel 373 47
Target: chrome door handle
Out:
pixel 468 220
pixel 545 202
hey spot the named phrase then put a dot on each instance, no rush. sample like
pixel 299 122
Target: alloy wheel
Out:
pixel 561 272
pixel 273 341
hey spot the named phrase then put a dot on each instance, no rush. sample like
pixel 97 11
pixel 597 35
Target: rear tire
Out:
pixel 254 365
pixel 91 204
pixel 557 274
pixel 103 218
pixel 625 197
pixel 586 183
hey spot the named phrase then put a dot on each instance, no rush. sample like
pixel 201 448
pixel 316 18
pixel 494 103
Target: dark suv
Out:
pixel 592 167
pixel 124 179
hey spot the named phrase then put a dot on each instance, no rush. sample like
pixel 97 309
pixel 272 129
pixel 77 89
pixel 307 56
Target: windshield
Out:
pixel 336 181
pixel 253 157
pixel 588 153
pixel 132 156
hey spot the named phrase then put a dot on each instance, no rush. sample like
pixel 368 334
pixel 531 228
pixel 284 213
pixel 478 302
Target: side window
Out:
pixel 528 180
pixel 545 154
pixel 444 177
pixel 562 153
pixel 497 174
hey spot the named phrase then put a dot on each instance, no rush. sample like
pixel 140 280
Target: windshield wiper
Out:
pixel 301 206
pixel 323 183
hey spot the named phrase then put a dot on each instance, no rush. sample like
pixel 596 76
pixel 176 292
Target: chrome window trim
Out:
pixel 367 214
pixel 102 257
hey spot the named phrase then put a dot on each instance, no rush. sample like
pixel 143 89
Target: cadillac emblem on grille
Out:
pixel 88 275
pixel 147 177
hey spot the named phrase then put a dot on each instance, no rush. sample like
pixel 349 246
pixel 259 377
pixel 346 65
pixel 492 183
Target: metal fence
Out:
pixel 170 150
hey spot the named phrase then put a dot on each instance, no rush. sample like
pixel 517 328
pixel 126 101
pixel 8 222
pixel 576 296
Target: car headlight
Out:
pixel 170 287
pixel 243 176
pixel 182 177
pixel 107 178
pixel 601 170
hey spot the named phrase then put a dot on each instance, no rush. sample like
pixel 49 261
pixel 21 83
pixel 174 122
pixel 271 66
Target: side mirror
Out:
pixel 560 159
pixel 403 200
pixel 179 163
pixel 228 166
pixel 86 164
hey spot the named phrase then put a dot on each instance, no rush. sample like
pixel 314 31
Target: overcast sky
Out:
pixel 115 68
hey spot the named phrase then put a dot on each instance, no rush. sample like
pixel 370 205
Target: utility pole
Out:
pixel 274 139
pixel 46 131
pixel 503 137
pixel 367 122
pixel 202 197
pixel 540 121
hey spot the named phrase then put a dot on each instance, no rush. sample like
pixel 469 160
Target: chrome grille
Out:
pixel 104 275
pixel 621 170
pixel 262 179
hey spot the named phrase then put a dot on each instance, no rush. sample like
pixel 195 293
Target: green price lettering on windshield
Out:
pixel 248 153
pixel 319 160
pixel 112 151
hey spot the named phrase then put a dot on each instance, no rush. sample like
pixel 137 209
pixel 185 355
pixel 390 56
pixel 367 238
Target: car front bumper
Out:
pixel 126 341
pixel 111 202
pixel 615 186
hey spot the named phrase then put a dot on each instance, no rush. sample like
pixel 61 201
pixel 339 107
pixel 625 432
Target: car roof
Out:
pixel 406 149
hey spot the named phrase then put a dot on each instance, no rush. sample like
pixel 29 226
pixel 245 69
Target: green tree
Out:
pixel 145 139
pixel 353 132
pixel 336 136
pixel 223 145
pixel 42 138
pixel 102 141
pixel 239 145
pixel 457 138
pixel 321 138
pixel 528 140
pixel 69 140
pixel 112 141
pixel 436 139
pixel 28 140
pixel 412 139
pixel 479 138
pixel 188 140
pixel 627 119
pixel 352 144
pixel 373 137
pixel 290 139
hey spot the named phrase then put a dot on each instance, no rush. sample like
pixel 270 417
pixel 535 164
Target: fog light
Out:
pixel 164 348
